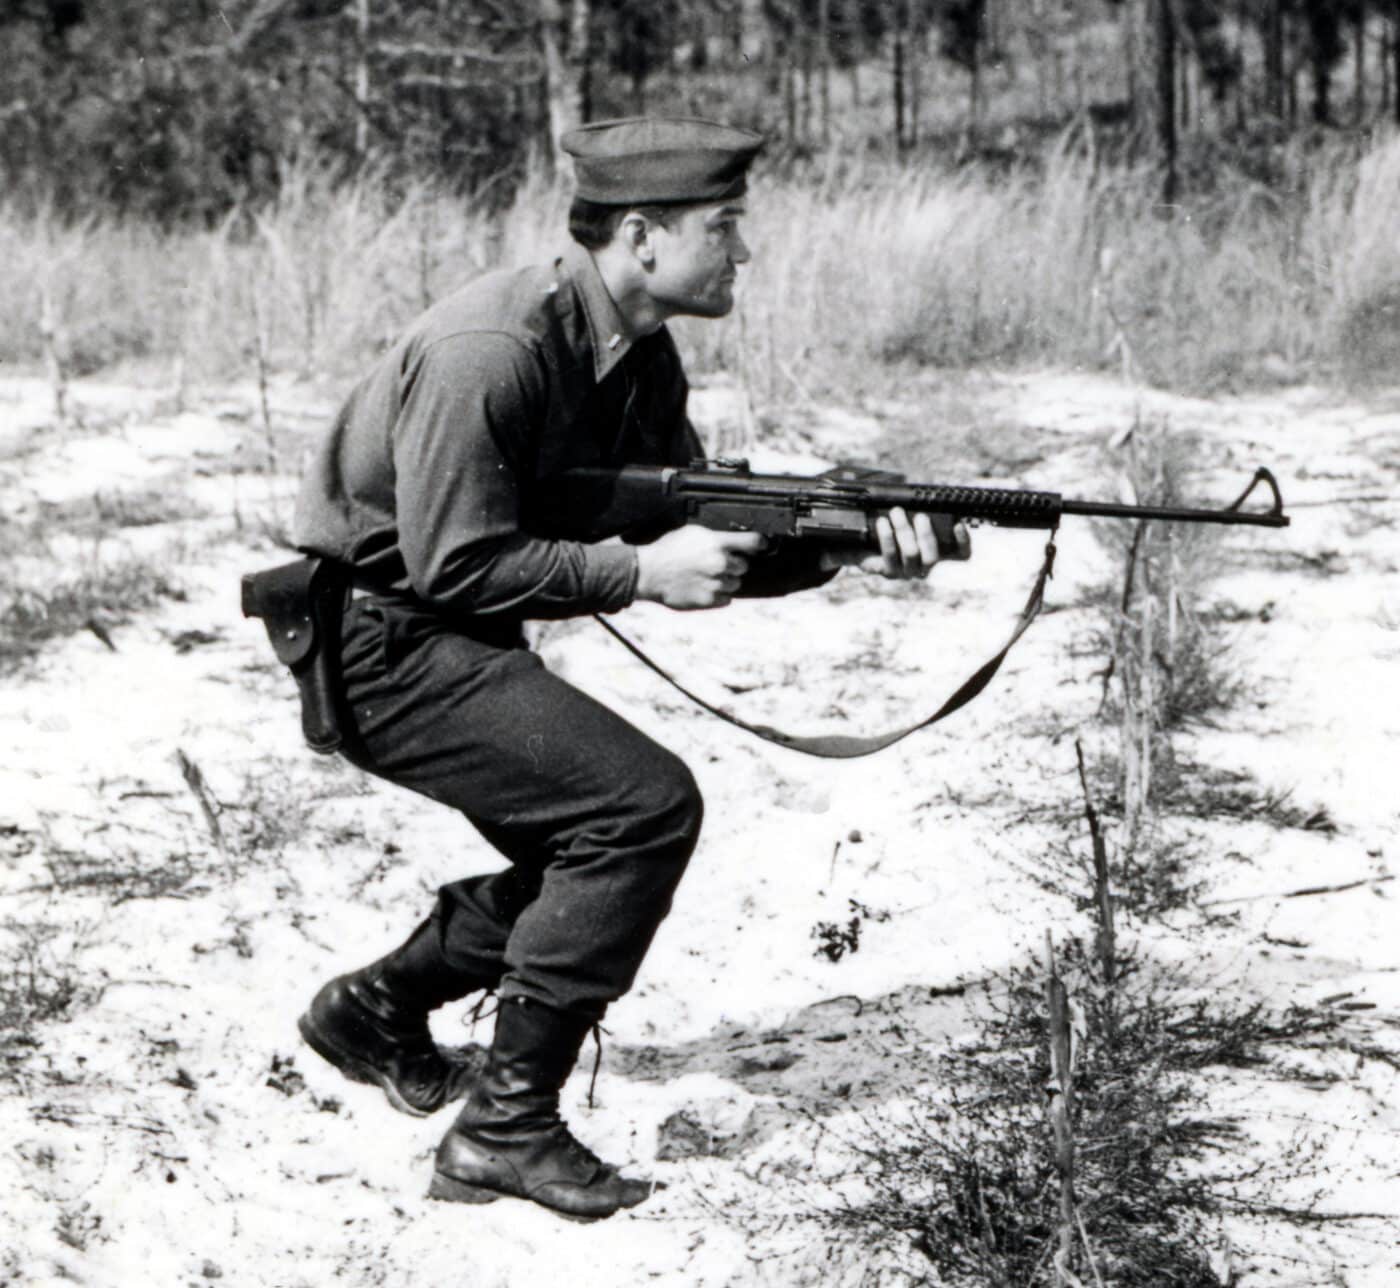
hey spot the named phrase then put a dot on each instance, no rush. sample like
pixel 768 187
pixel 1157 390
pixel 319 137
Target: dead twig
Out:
pixel 1103 895
pixel 1059 1109
pixel 1299 894
pixel 194 780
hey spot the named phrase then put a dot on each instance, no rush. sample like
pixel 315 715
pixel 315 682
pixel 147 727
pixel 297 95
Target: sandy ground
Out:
pixel 169 1128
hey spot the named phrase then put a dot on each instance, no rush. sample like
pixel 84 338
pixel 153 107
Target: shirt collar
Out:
pixel 606 329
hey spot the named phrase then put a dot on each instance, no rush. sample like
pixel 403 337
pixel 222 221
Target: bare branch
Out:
pixel 451 53
pixel 451 84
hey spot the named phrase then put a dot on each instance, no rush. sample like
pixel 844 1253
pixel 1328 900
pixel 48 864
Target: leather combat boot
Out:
pixel 509 1138
pixel 373 1025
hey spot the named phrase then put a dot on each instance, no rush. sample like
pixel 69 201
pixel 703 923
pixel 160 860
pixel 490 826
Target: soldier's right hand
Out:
pixel 694 567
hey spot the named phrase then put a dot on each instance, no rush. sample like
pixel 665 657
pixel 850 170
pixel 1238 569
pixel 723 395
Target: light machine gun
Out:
pixel 840 509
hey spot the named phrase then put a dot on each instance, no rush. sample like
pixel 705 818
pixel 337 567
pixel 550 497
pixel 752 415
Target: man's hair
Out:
pixel 594 225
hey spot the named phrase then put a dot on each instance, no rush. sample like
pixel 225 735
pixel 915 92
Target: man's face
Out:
pixel 696 260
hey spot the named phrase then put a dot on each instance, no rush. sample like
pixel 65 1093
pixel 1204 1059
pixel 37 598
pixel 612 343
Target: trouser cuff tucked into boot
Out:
pixel 509 1140
pixel 372 1025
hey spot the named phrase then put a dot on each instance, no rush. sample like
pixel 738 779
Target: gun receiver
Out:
pixel 841 506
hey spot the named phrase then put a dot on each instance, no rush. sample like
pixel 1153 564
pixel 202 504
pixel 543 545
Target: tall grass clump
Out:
pixel 861 270
pixel 312 283
pixel 1167 667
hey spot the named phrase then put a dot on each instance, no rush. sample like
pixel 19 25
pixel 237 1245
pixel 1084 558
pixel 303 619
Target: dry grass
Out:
pixel 859 267
pixel 39 605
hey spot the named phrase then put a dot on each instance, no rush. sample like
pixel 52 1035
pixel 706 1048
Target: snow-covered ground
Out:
pixel 171 1129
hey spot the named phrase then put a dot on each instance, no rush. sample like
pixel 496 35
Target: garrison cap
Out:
pixel 660 159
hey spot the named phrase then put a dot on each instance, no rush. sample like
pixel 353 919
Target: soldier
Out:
pixel 429 490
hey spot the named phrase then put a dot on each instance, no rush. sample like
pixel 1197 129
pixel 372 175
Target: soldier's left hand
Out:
pixel 908 548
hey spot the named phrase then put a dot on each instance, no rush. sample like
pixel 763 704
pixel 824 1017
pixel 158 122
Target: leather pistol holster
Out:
pixel 301 604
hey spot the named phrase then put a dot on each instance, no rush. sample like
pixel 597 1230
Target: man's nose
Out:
pixel 740 251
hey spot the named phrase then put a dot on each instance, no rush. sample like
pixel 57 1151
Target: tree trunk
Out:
pixel 1324 38
pixel 1358 107
pixel 362 78
pixel 897 6
pixel 579 59
pixel 914 70
pixel 1132 40
pixel 564 40
pixel 1290 29
pixel 1387 49
pixel 824 59
pixel 1395 58
pixel 805 126
pixel 1039 45
pixel 790 93
pixel 974 88
pixel 1164 33
pixel 1186 95
pixel 1140 42
pixel 1322 91
pixel 1273 59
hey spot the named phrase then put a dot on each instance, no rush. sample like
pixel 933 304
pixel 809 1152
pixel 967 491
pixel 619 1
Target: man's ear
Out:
pixel 635 233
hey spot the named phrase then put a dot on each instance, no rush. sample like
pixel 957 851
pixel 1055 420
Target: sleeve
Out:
pixel 471 404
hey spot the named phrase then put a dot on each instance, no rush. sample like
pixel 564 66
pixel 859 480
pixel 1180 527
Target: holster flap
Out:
pixel 283 598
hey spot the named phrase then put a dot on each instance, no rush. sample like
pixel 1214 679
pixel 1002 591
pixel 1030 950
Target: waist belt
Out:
pixel 300 603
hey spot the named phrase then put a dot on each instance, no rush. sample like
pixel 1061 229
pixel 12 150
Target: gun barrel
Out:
pixel 1174 514
pixel 993 505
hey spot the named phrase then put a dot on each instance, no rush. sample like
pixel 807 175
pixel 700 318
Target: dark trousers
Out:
pixel 597 820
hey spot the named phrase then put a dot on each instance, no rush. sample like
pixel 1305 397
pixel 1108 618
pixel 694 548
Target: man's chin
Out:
pixel 718 307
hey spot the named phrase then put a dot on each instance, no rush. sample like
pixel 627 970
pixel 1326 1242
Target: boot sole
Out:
pixel 354 1068
pixel 448 1189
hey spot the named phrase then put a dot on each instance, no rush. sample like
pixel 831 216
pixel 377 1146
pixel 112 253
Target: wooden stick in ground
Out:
pixel 1059 1108
pixel 51 336
pixel 1103 896
pixel 194 780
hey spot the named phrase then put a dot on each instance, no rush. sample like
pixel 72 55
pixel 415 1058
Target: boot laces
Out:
pixel 479 1011
pixel 578 1152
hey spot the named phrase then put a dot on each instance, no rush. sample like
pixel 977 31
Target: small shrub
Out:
pixel 78 1225
pixel 835 940
pixel 967 1187
pixel 40 982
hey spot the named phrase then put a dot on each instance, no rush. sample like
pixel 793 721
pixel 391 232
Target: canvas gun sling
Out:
pixel 847 746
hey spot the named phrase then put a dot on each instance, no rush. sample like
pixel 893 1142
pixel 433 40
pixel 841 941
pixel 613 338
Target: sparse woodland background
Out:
pixel 1199 191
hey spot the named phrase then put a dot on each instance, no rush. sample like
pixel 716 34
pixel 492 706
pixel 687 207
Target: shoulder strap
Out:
pixel 846 746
